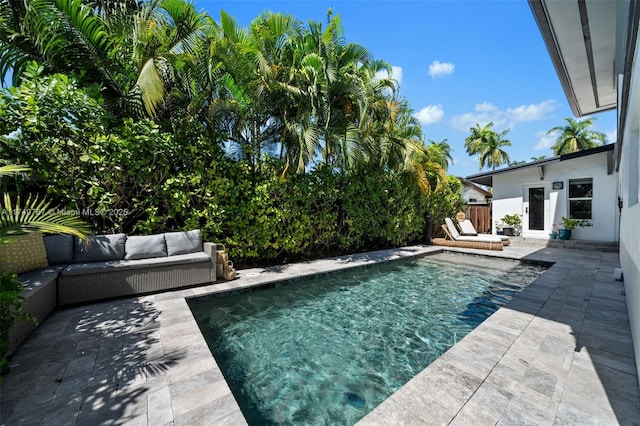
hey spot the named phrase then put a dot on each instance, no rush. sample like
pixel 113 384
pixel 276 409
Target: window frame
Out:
pixel 570 199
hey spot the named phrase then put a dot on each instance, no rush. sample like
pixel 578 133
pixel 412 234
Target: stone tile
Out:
pixel 540 381
pixel 485 407
pixel 471 417
pixel 509 320
pixel 143 360
pixel 430 405
pixel 192 367
pixel 464 361
pixel 555 346
pixel 62 413
pixel 442 375
pixel 98 406
pixel 196 391
pixel 569 416
pixel 521 412
pixel 497 338
pixel 584 391
pixel 159 406
pixel 220 411
pixel 509 372
pixel 390 413
pixel 79 366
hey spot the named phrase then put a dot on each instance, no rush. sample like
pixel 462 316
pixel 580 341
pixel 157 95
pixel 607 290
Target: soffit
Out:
pixel 581 38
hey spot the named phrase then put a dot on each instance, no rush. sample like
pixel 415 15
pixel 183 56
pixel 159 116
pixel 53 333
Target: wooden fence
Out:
pixel 480 217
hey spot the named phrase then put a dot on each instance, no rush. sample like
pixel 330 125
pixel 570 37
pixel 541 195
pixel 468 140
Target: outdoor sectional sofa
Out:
pixel 112 266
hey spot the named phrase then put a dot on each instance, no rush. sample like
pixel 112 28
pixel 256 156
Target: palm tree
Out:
pixel 318 90
pixel 576 136
pixel 131 49
pixel 441 153
pixel 428 173
pixel 487 144
pixel 478 137
pixel 517 163
pixel 538 158
pixel 256 64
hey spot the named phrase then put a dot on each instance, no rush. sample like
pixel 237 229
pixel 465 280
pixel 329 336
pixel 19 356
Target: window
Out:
pixel 580 198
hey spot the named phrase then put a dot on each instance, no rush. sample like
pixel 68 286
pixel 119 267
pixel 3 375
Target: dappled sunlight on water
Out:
pixel 329 350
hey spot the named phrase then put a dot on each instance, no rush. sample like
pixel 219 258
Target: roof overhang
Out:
pixel 486 178
pixel 586 40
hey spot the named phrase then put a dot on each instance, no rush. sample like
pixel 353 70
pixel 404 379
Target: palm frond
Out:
pixel 13 169
pixel 37 216
pixel 152 87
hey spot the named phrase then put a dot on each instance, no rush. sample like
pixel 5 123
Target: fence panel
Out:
pixel 480 217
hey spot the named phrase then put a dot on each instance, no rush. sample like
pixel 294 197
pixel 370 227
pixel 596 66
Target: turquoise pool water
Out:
pixel 329 350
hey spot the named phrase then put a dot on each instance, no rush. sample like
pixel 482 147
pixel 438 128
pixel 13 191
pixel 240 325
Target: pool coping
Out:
pixel 525 364
pixel 191 389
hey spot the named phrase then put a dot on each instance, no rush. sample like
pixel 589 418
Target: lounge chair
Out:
pixel 454 239
pixel 467 229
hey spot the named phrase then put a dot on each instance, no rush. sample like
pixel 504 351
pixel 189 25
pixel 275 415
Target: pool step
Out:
pixel 605 246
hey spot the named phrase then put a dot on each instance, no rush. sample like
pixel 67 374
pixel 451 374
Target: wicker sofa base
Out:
pixel 482 245
pixel 114 283
pixel 40 302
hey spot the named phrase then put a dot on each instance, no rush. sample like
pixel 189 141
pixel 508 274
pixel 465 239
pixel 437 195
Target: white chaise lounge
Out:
pixel 454 239
pixel 467 230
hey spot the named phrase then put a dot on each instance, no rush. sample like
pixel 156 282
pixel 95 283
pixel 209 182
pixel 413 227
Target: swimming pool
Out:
pixel 329 350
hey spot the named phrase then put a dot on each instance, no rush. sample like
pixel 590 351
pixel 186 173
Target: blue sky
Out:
pixel 458 63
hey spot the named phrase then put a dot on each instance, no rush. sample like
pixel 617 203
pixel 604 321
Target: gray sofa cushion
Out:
pixel 145 247
pixel 59 249
pixel 36 280
pixel 123 265
pixel 102 248
pixel 183 242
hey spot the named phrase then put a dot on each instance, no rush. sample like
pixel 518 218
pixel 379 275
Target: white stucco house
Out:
pixel 474 194
pixel 594 47
pixel 581 185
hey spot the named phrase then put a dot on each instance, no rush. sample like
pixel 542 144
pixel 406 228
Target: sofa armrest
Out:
pixel 210 250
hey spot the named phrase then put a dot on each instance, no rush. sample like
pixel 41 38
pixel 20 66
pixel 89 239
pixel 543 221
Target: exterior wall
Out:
pixel 630 216
pixel 509 192
pixel 470 193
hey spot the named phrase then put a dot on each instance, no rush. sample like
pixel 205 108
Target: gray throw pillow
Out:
pixel 59 249
pixel 102 248
pixel 183 242
pixel 145 247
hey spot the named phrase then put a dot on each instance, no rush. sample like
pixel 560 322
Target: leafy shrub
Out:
pixel 142 177
pixel 445 202
pixel 265 219
pixel 115 175
pixel 11 300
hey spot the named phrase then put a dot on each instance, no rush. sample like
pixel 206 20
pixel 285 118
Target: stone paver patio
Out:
pixel 558 353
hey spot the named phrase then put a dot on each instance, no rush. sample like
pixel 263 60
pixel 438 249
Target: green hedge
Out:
pixel 139 177
pixel 307 216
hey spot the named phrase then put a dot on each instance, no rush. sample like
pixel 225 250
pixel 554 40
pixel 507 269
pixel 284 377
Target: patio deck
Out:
pixel 559 353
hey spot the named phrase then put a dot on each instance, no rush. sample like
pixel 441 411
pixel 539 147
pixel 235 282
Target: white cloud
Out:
pixel 439 69
pixel 430 114
pixel 531 112
pixel 482 115
pixel 396 74
pixel 544 141
pixel 612 136
pixel 485 107
pixel 486 112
